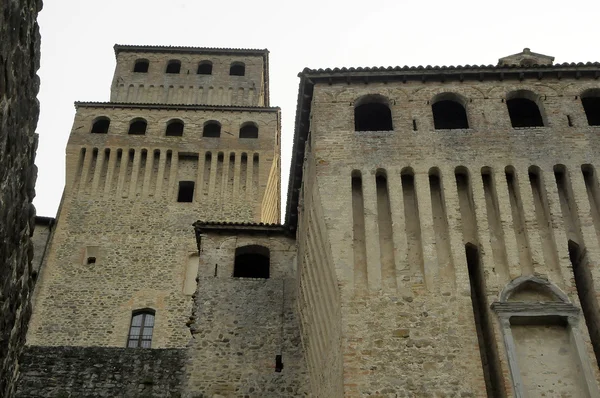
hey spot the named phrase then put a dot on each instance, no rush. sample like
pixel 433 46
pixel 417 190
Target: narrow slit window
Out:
pixel 186 192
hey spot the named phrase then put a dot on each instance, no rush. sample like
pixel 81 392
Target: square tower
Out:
pixel 188 135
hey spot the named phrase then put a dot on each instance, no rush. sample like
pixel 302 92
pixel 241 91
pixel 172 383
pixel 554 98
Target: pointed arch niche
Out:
pixel 545 350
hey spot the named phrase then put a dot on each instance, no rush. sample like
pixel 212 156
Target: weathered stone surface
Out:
pixel 19 84
pixel 101 372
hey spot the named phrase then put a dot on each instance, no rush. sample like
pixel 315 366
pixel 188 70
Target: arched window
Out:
pixel 249 130
pixel 251 261
pixel 205 68
pixel 173 66
pixel 174 128
pixel 449 112
pixel 100 125
pixel 141 66
pixel 524 110
pixel 372 113
pixel 237 69
pixel 212 129
pixel 138 127
pixel 591 105
pixel 140 331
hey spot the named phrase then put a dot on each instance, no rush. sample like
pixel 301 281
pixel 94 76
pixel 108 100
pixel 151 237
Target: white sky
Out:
pixel 78 37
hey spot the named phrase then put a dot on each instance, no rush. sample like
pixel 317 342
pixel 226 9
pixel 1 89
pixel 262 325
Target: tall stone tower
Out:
pixel 448 229
pixel 188 135
pixel 442 234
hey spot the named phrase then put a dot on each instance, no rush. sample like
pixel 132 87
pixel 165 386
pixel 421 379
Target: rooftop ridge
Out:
pixel 187 49
pixel 445 67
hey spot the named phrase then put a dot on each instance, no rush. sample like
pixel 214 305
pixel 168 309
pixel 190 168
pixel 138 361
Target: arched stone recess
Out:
pixel 191 273
pixel 355 97
pixel 541 329
pixel 428 93
pixel 502 91
pixel 279 249
pixel 578 88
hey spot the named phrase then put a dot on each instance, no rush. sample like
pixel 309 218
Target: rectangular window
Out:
pixel 140 331
pixel 186 191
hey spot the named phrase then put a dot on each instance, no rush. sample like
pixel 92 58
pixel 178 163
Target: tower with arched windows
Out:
pixel 188 134
pixel 441 237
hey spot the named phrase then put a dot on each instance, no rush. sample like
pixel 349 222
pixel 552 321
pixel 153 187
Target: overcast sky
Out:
pixel 78 37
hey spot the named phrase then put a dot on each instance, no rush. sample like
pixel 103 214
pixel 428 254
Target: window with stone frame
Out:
pixel 140 331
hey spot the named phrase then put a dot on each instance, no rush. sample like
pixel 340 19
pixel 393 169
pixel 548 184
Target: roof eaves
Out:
pixel 188 49
pixel 130 105
pixel 448 69
pixel 224 226
pixel 301 127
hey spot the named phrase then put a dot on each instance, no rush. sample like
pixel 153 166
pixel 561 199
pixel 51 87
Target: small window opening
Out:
pixel 140 331
pixel 237 69
pixel 100 125
pixel 138 127
pixel 212 129
pixel 91 260
pixel 174 128
pixel 173 67
pixel 251 262
pixel 414 124
pixel 249 130
pixel 186 192
pixel 372 116
pixel 449 114
pixel 205 68
pixel 569 121
pixel 524 112
pixel 591 105
pixel 141 66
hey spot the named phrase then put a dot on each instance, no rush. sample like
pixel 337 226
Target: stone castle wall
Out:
pixel 19 109
pixel 61 372
pixel 241 324
pixel 319 293
pixel 231 174
pixel 401 206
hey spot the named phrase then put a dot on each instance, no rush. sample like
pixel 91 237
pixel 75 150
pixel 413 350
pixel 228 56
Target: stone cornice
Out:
pixel 193 107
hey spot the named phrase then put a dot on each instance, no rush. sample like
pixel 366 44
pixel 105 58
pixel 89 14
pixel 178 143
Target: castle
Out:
pixel 441 238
